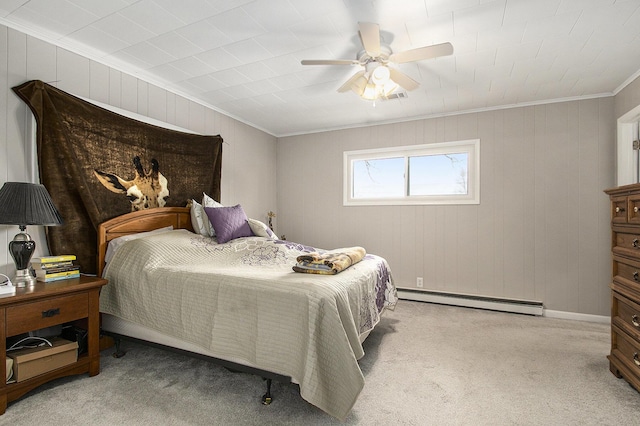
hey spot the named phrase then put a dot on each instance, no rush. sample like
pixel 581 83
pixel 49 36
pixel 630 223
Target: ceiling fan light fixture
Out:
pixel 380 75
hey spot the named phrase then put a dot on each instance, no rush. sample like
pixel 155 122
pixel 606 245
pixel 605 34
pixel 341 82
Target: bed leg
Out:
pixel 118 353
pixel 266 398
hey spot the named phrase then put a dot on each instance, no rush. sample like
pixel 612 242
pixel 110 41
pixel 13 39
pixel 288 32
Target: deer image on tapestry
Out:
pixel 148 189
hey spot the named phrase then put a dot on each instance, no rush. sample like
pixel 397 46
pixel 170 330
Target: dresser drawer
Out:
pixel 627 350
pixel 619 210
pixel 626 315
pixel 46 313
pixel 633 207
pixel 627 245
pixel 629 272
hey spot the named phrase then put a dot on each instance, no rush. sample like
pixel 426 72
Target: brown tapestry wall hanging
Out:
pixel 97 164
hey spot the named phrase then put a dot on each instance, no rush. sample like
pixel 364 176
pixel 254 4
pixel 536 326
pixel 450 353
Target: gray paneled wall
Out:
pixel 541 231
pixel 249 155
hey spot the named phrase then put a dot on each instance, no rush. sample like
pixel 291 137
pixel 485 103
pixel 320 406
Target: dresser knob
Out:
pixel 634 320
pixel 636 276
pixel 634 243
pixel 635 359
pixel 619 209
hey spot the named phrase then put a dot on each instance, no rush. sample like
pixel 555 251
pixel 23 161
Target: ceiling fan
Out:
pixel 378 79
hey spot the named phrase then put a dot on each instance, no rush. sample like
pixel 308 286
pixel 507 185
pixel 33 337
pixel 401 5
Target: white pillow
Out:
pixel 116 243
pixel 209 202
pixel 259 229
pixel 199 219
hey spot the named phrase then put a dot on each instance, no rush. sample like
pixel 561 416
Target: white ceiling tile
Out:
pixel 219 59
pixel 170 73
pixel 187 11
pixel 154 19
pixel 439 7
pixel 145 53
pixel 247 51
pixel 316 31
pixel 521 11
pixel 478 18
pixel 312 8
pixel 424 31
pixel 175 45
pixel 204 34
pixel 230 77
pixel 279 42
pixel 97 40
pixel 101 8
pixel 256 71
pixel 236 24
pixel 121 27
pixel 517 52
pixel 66 14
pixel 559 25
pixel 503 36
pixel 192 66
pixel 273 15
pixel 206 83
pixel 8 6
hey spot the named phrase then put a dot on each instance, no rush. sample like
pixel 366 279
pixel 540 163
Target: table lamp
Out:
pixel 25 204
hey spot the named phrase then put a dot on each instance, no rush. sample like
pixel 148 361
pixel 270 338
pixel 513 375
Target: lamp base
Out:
pixel 21 249
pixel 24 278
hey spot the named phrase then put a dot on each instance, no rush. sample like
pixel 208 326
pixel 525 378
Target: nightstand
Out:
pixel 46 305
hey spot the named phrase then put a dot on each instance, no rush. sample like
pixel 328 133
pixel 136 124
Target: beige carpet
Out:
pixel 424 365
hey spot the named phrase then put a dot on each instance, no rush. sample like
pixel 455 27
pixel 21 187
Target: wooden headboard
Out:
pixel 140 221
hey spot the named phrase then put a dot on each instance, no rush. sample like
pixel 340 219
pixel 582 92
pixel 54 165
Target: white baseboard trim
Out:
pixel 472 301
pixel 602 319
pixel 496 304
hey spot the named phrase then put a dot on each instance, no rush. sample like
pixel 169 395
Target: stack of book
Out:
pixel 54 268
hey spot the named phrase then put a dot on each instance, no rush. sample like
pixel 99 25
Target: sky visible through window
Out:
pixel 441 174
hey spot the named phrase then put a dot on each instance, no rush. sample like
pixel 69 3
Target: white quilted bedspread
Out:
pixel 242 300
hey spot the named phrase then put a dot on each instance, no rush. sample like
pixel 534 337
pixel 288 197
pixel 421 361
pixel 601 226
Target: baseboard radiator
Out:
pixel 472 301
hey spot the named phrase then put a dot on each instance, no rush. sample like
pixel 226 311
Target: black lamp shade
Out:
pixel 25 204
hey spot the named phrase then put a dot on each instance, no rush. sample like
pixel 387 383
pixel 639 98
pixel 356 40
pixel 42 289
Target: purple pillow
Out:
pixel 229 222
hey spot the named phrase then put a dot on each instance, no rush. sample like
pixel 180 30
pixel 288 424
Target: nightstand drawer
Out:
pixel 47 313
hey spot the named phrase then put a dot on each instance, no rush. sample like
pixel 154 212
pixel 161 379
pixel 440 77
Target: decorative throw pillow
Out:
pixel 259 229
pixel 199 219
pixel 229 222
pixel 207 201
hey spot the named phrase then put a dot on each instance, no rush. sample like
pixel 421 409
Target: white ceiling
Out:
pixel 242 57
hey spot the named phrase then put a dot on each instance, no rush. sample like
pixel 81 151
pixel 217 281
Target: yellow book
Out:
pixel 51 259
pixel 65 274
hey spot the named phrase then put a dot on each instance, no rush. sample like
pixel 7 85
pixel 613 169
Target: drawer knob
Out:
pixel 51 313
pixel 619 209
pixel 634 320
pixel 634 243
pixel 636 276
pixel 635 359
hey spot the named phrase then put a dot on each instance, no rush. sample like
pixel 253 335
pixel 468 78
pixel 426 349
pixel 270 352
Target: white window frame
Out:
pixel 471 147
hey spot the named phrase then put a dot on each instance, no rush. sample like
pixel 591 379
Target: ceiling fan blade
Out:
pixel 329 62
pixel 421 53
pixel 370 37
pixel 352 82
pixel 403 80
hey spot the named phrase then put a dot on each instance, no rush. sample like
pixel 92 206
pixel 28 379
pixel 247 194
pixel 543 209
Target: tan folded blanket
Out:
pixel 330 262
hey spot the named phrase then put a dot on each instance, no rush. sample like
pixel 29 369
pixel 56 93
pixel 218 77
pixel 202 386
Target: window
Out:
pixel 441 173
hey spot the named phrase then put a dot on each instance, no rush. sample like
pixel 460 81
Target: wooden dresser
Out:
pixel 624 359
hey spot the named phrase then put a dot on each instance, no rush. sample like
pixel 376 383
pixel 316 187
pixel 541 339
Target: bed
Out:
pixel 242 303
